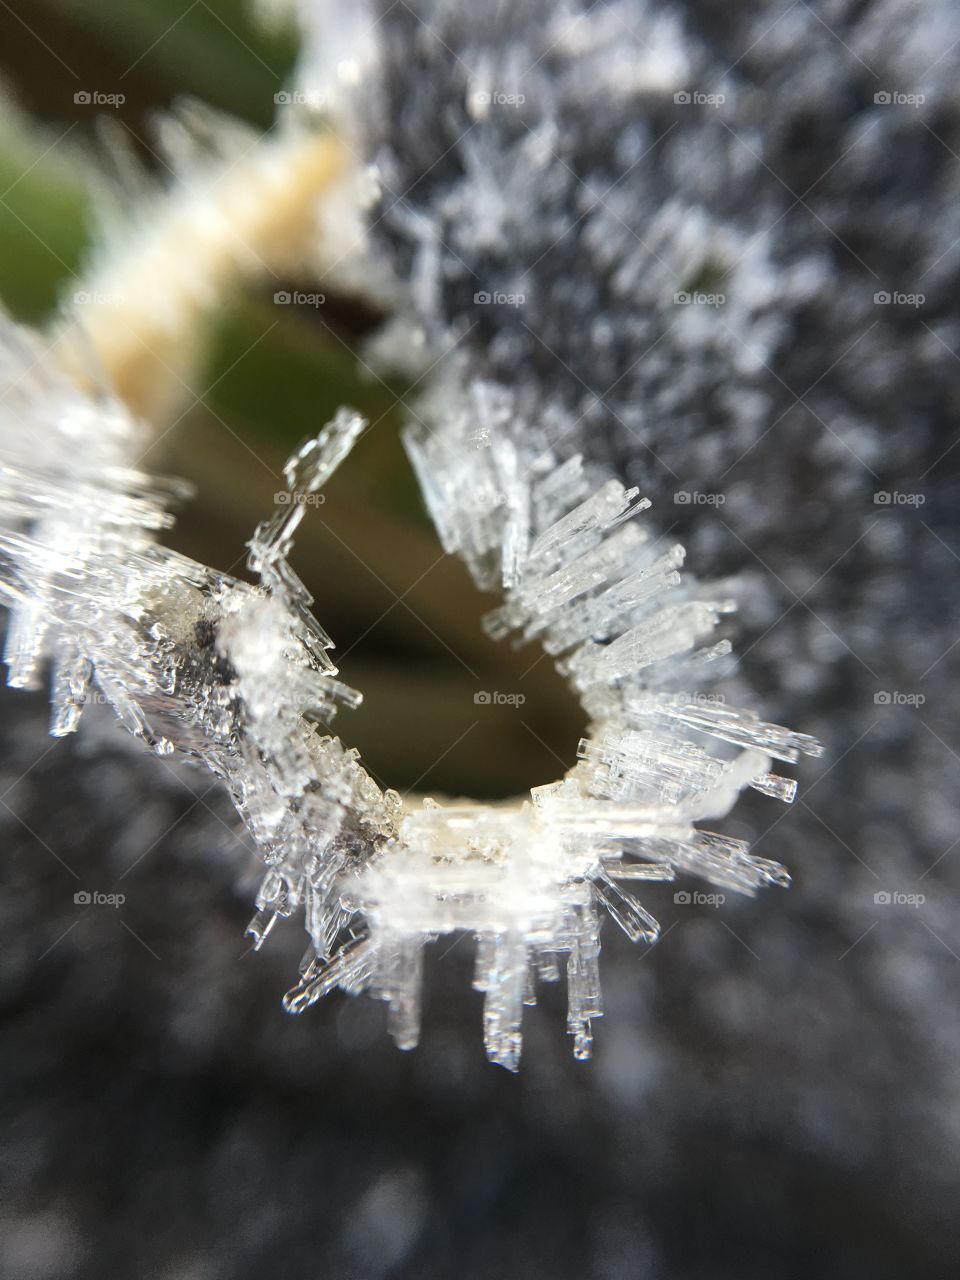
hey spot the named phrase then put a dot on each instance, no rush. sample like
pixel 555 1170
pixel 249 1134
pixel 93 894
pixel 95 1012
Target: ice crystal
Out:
pixel 240 678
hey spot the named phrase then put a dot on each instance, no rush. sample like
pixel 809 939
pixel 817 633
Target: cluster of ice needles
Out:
pixel 239 678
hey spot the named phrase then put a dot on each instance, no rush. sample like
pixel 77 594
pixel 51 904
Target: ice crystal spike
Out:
pixel 236 677
pixel 316 460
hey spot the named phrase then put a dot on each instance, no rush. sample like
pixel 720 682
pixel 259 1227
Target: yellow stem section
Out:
pixel 140 312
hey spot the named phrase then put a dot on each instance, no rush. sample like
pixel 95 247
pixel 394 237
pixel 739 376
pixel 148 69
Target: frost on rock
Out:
pixel 239 677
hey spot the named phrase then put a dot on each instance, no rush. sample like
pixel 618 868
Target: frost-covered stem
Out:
pixel 238 207
pixel 237 677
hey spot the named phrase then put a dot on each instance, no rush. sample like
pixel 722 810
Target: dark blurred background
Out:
pixel 775 1089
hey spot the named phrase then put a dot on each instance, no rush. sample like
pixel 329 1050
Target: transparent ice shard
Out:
pixel 636 923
